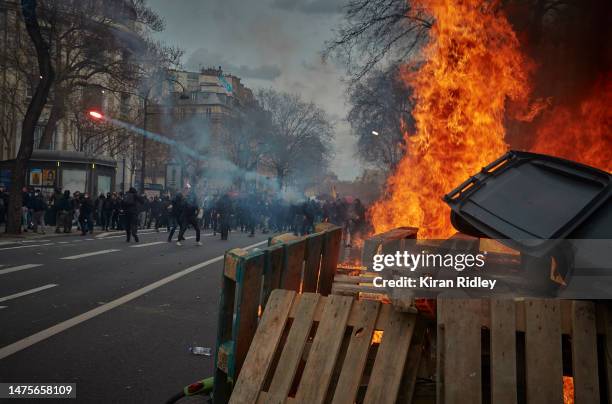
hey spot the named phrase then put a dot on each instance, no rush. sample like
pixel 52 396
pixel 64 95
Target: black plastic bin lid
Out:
pixel 531 198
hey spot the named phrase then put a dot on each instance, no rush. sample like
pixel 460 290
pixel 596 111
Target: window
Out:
pixel 38 133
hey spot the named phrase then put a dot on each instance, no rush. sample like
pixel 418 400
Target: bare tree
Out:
pixel 299 142
pixel 93 46
pixel 380 114
pixel 39 99
pixel 377 30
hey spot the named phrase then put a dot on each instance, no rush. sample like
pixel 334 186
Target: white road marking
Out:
pixel 89 239
pixel 27 292
pixel 3 307
pixel 34 241
pixel 8 242
pixel 76 241
pixel 18 268
pixel 26 246
pixel 148 244
pixel 64 325
pixel 106 234
pixel 63 242
pixel 74 257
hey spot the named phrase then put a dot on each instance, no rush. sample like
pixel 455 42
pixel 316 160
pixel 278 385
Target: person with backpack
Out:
pixel 131 206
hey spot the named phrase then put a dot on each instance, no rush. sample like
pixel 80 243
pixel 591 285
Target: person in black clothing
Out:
pixel 156 209
pixel 4 197
pixel 116 221
pixel 224 210
pixel 131 205
pixel 175 211
pixel 86 214
pixel 107 211
pixel 39 206
pixel 64 207
pixel 189 216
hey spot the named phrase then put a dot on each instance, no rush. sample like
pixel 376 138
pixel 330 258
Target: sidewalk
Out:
pixel 49 232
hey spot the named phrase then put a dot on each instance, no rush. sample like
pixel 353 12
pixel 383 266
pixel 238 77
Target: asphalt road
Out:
pixel 103 314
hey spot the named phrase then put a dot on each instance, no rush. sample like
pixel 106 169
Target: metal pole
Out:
pixel 144 149
pixel 123 179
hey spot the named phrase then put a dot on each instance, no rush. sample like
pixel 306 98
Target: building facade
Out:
pixel 81 155
pixel 196 110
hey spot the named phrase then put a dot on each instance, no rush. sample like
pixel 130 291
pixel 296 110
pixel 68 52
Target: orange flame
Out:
pixel 582 134
pixel 472 66
pixel 568 390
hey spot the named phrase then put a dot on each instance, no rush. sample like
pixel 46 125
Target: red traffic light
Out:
pixel 95 115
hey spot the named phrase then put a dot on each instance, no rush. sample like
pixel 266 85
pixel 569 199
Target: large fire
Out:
pixel 581 134
pixel 472 67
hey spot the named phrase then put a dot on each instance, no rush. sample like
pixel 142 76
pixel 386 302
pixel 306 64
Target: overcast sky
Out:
pixel 268 43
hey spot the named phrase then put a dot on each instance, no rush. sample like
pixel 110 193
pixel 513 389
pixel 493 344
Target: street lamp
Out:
pixel 375 133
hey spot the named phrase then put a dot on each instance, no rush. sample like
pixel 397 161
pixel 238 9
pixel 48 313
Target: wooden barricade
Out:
pixel 300 264
pixel 508 352
pixel 314 349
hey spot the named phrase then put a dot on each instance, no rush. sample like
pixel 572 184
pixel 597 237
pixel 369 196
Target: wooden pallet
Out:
pixel 528 347
pixel 289 262
pixel 287 363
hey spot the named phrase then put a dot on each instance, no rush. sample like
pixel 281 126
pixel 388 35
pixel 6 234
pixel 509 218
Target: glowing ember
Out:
pixel 568 390
pixel 377 337
pixel 582 134
pixel 472 67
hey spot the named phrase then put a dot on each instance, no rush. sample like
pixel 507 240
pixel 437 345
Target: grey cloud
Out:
pixel 204 58
pixel 311 6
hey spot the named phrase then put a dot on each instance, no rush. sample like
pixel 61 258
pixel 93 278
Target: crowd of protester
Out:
pixel 222 213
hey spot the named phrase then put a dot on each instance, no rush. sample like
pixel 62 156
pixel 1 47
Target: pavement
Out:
pixel 115 318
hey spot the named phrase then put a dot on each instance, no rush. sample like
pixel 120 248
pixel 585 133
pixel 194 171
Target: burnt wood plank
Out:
pixel 273 270
pixel 294 348
pixel 294 263
pixel 363 316
pixel 543 355
pixel 329 261
pixel 584 352
pixel 312 264
pixel 390 359
pixel 503 351
pixel 462 350
pixel 324 351
pixel 265 343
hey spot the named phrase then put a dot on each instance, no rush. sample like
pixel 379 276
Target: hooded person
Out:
pixel 131 206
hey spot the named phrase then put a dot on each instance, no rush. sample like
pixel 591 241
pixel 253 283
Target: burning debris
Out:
pixel 473 65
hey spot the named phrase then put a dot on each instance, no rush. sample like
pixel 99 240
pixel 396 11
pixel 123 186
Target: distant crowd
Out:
pixel 66 211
